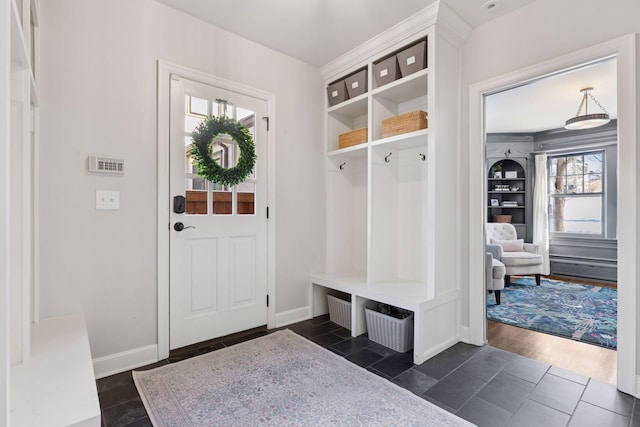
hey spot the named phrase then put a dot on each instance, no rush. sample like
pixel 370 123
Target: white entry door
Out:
pixel 218 262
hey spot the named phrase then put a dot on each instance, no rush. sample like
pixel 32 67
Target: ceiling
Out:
pixel 547 103
pixel 319 31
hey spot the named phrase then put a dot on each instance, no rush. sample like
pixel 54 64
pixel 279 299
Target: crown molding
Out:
pixel 413 27
pixel 454 27
pixel 449 24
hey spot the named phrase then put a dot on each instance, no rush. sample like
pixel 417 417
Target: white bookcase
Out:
pixel 391 203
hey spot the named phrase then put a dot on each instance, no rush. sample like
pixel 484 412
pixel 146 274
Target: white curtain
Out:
pixel 540 212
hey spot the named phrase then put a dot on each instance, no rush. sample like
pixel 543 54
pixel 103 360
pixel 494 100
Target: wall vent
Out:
pixel 106 164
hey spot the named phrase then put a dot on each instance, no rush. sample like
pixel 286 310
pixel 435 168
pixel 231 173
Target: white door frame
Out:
pixel 624 50
pixel 165 70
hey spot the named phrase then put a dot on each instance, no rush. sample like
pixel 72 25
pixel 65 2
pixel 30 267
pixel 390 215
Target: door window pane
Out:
pixel 190 123
pixel 199 193
pixel 246 198
pixel 197 106
pixel 195 196
pixel 222 203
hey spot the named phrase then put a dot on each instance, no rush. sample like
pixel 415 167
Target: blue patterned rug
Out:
pixel 570 310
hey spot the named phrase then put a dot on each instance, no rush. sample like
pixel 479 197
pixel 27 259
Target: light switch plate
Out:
pixel 107 199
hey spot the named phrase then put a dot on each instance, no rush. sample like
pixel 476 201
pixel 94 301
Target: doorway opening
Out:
pixel 623 49
pixel 558 189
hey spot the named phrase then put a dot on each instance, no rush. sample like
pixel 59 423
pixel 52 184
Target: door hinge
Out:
pixel 266 118
pixel 267 300
pixel 267 212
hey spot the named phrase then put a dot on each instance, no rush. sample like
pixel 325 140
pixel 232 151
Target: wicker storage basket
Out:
pixel 502 218
pixel 404 123
pixel 354 137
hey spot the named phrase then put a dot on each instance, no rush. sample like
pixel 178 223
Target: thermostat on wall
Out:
pixel 106 164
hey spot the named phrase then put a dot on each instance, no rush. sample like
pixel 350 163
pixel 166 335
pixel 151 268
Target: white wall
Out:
pixel 98 96
pixel 536 33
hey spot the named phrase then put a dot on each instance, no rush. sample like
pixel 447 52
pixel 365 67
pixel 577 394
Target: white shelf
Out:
pixel 404 141
pixel 354 151
pixel 56 385
pixel 404 89
pixel 400 292
pixel 354 107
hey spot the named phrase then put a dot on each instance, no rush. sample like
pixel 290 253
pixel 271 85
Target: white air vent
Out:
pixel 106 164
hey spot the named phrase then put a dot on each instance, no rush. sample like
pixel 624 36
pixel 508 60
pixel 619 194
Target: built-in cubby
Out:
pixel 398 212
pixel 346 117
pixel 391 201
pixel 402 96
pixel 347 213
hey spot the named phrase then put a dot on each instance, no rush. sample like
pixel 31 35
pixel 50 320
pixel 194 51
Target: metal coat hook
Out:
pixel 423 157
pixel 386 158
pixel 342 166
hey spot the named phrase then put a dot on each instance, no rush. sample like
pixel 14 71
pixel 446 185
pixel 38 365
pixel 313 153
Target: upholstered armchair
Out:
pixel 495 271
pixel 519 258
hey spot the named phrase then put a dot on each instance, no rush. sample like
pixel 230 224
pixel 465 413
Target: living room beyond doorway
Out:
pixel 579 200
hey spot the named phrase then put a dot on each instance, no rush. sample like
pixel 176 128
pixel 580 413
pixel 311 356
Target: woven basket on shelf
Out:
pixel 404 123
pixel 502 218
pixel 354 137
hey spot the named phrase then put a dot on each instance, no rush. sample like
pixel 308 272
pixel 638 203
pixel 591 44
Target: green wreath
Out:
pixel 208 168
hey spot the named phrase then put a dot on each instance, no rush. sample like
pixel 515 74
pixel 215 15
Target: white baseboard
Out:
pixel 465 335
pixel 419 359
pixel 292 316
pixel 637 394
pixel 120 362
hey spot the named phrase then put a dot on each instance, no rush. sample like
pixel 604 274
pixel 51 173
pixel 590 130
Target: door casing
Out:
pixel 624 50
pixel 165 70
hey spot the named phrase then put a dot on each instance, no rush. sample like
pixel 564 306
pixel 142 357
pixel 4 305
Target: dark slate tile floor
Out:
pixel 484 385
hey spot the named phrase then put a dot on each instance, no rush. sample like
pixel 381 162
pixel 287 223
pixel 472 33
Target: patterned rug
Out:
pixel 580 312
pixel 277 380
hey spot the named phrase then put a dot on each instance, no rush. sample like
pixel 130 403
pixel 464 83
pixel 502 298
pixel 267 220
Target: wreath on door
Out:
pixel 209 168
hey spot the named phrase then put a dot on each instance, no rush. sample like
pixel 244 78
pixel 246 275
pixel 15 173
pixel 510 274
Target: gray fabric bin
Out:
pixel 356 83
pixel 397 334
pixel 386 71
pixel 413 58
pixel 337 93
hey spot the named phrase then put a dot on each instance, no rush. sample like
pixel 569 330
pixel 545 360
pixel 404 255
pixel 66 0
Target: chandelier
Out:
pixel 587 120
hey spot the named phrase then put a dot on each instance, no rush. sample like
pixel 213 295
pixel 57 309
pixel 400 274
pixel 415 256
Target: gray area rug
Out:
pixel 277 380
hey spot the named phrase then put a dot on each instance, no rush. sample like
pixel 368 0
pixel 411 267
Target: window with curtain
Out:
pixel 577 194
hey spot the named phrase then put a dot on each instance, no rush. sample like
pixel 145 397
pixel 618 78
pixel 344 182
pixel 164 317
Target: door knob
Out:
pixel 178 226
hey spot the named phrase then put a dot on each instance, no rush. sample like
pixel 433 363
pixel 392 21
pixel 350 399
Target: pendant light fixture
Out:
pixel 587 121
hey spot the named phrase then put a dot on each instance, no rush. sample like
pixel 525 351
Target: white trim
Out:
pixel 293 316
pixel 124 361
pixel 465 334
pixel 412 27
pixel 624 50
pixel 5 259
pixel 165 69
